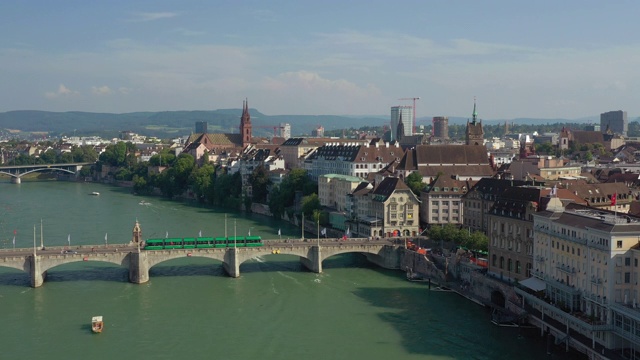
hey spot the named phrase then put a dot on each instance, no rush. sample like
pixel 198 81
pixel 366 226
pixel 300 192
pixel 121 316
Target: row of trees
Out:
pixel 463 237
pixel 208 183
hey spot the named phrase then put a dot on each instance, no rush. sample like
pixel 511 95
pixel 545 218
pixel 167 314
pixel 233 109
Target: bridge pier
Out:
pixel 138 267
pixel 231 264
pixel 15 180
pixel 37 275
pixel 313 262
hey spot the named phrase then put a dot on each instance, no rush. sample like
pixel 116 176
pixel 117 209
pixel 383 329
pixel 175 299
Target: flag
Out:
pixel 249 232
pixel 14 240
pixel 324 231
pixel 200 233
pixel 613 199
pixel 166 235
pixel 279 232
pixel 554 191
pixel 69 239
pixel 347 233
pixel 105 237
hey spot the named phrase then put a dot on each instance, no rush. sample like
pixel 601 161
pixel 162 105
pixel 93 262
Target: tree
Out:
pixel 310 204
pixel 414 182
pixel 260 182
pixel 202 180
pixel 276 203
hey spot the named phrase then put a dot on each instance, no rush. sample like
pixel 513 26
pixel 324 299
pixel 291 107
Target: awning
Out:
pixel 534 284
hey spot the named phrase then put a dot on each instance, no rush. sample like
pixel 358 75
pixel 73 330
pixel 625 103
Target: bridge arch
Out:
pixel 47 169
pixel 161 256
pixel 47 264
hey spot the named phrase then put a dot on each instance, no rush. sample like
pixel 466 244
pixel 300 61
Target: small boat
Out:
pixel 97 324
pixel 95 193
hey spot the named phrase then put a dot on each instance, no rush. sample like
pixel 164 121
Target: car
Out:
pixel 70 252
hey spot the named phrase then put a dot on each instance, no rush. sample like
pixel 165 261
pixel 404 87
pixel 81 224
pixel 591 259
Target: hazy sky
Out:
pixel 539 58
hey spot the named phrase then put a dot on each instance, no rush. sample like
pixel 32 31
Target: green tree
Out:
pixel 414 182
pixel 260 182
pixel 202 181
pixel 310 203
pixel 276 202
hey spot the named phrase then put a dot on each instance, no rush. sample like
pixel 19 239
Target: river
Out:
pixel 191 310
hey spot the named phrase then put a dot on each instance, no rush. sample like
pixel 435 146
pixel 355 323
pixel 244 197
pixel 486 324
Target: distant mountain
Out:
pixel 168 124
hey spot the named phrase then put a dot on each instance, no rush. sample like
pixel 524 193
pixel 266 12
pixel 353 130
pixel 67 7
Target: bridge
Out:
pixel 16 172
pixel 312 252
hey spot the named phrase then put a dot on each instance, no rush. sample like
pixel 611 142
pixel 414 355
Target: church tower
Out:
pixel 245 124
pixel 400 130
pixel 475 134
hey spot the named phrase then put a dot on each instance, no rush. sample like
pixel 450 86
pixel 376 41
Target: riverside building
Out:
pixel 584 288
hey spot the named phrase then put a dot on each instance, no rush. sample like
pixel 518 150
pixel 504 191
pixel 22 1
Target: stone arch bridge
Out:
pixel 139 262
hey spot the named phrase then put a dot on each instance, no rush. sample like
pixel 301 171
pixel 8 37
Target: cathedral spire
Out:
pixel 400 129
pixel 475 113
pixel 245 124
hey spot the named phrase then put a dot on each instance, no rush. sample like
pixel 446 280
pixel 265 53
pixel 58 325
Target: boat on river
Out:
pixel 95 193
pixel 97 324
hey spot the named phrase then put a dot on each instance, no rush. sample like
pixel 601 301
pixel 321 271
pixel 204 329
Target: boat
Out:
pixel 95 193
pixel 97 324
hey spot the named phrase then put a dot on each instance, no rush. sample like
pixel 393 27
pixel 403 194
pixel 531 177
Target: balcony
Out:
pixel 540 258
pixel 567 269
pixel 596 281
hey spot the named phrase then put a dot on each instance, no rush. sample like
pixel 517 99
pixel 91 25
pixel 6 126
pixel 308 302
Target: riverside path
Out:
pixel 36 262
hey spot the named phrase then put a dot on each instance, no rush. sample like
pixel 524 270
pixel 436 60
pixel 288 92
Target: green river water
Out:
pixel 191 310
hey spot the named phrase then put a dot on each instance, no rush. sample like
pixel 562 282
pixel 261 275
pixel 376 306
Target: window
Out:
pixel 627 261
pixel 619 244
pixel 627 277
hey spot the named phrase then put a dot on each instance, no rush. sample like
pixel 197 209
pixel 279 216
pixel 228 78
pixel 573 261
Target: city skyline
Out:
pixel 540 60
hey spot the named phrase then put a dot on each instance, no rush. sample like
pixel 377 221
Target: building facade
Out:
pixel 585 275
pixel 406 114
pixel 441 127
pixel 616 121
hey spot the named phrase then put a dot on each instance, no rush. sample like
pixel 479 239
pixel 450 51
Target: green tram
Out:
pixel 202 243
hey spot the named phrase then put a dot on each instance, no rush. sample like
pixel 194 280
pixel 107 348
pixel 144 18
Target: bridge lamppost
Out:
pixel 234 233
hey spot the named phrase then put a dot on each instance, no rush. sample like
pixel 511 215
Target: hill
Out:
pixel 169 123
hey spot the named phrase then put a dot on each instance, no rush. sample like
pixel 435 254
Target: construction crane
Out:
pixel 275 128
pixel 414 111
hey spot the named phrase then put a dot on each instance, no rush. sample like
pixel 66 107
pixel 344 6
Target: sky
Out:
pixel 541 59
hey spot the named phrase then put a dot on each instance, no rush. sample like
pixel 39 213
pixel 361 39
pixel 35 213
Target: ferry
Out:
pixel 97 324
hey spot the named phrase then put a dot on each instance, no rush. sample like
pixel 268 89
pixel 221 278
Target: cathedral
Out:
pixel 216 144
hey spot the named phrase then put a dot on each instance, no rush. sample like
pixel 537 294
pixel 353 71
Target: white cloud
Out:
pixel 101 90
pixel 152 16
pixel 61 92
pixel 187 32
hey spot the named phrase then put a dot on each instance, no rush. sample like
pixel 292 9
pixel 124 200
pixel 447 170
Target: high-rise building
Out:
pixel 285 130
pixel 201 127
pixel 616 121
pixel 404 112
pixel 318 131
pixel 441 127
